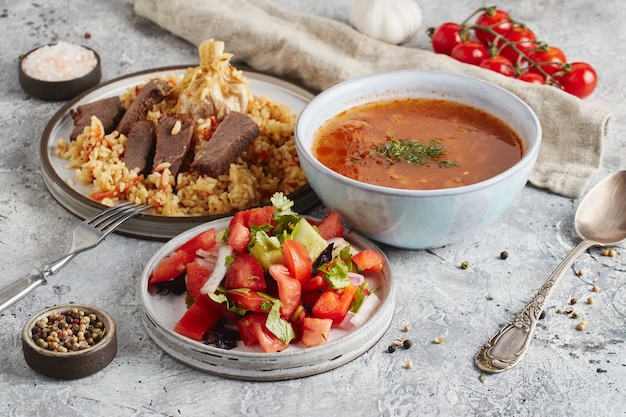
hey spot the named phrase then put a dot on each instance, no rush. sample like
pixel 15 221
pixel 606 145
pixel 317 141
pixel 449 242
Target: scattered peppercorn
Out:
pixel 590 300
pixel 580 273
pixel 504 254
pixel 391 348
pixel 568 310
pixel 595 288
pixel 407 344
pixel 542 315
pixel 581 326
pixel 409 365
pixel 574 315
pixel 464 265
pixel 87 35
pixel 438 340
pixel 559 311
pixel 573 300
pixel 406 328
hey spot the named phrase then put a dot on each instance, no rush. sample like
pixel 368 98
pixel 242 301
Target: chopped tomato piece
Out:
pixel 245 326
pixel 252 330
pixel 249 300
pixel 316 282
pixel 261 215
pixel 171 267
pixel 331 226
pixel 242 217
pixel 197 275
pixel 327 305
pixel 309 298
pixel 239 237
pixel 289 289
pixel 335 305
pixel 256 216
pixel 204 241
pixel 245 272
pixel 297 259
pixel 315 331
pixel 198 320
pixel 369 260
pixel 268 341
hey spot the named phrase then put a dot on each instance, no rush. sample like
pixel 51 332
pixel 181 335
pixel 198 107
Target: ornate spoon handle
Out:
pixel 507 347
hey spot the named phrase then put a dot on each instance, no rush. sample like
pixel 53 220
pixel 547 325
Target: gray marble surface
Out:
pixel 566 372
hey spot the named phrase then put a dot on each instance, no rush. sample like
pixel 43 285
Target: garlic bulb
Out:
pixel 393 21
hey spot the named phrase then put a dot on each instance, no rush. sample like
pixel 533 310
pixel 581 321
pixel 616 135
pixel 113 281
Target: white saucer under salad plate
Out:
pixel 57 176
pixel 160 313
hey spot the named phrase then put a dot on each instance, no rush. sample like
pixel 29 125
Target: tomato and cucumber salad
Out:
pixel 272 277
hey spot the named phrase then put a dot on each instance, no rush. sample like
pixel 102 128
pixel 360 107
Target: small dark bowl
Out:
pixel 70 365
pixel 59 90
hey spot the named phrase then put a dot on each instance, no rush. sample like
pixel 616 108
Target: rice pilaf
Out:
pixel 269 165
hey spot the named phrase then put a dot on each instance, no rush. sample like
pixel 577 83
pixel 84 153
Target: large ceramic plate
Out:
pixel 160 313
pixel 74 198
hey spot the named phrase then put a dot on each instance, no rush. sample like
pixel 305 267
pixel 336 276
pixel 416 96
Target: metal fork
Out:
pixel 85 236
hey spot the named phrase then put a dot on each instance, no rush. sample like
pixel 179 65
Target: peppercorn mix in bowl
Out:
pixel 417 159
pixel 69 341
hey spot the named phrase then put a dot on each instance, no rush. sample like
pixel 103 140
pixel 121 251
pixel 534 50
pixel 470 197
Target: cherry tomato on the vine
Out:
pixel 470 52
pixel 498 64
pixel 544 57
pixel 580 81
pixel 445 37
pixel 523 38
pixel 499 43
pixel 532 77
pixel 497 20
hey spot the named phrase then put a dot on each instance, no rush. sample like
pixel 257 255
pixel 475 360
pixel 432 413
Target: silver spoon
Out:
pixel 600 221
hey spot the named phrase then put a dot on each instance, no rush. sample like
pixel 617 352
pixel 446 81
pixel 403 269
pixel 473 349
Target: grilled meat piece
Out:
pixel 232 136
pixel 152 93
pixel 108 110
pixel 173 143
pixel 139 152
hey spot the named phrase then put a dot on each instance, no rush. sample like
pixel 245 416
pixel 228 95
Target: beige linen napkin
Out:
pixel 321 52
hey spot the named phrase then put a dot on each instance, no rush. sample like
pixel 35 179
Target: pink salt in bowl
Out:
pixel 59 71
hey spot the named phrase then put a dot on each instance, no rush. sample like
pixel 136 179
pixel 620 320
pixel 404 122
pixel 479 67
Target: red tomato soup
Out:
pixel 420 144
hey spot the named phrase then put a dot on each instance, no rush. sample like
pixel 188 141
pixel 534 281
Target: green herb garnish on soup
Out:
pixel 411 151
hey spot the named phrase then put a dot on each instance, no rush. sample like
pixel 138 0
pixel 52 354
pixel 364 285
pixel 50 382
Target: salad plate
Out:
pixel 58 177
pixel 160 313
